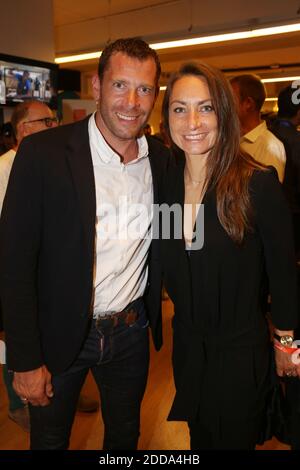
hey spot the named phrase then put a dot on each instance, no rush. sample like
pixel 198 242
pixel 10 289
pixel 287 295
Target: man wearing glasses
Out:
pixel 28 118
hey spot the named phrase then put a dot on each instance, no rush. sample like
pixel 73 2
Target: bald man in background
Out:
pixel 28 118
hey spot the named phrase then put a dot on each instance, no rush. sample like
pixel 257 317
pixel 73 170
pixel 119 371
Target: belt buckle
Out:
pixel 105 322
pixel 112 320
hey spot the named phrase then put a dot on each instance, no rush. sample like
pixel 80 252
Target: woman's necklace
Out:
pixel 193 182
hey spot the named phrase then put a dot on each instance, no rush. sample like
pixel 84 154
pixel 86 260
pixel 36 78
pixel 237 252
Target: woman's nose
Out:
pixel 193 119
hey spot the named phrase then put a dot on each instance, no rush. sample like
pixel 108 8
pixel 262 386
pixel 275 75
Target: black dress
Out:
pixel 221 341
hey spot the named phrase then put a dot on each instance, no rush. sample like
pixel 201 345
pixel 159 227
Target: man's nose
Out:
pixel 132 98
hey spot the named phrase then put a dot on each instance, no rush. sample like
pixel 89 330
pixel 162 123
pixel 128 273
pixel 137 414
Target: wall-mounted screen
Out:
pixel 24 79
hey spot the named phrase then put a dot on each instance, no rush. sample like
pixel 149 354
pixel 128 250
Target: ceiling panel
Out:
pixel 85 25
pixel 75 11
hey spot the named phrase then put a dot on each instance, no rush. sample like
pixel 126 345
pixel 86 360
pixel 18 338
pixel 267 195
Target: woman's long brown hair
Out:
pixel 228 168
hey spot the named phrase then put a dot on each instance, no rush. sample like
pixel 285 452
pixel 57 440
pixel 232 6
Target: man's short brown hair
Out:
pixel 250 86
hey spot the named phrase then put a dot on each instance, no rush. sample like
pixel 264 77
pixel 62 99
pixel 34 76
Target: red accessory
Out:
pixel 284 349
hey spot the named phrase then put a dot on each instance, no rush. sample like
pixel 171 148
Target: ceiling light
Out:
pixel 78 57
pixel 252 33
pixel 279 79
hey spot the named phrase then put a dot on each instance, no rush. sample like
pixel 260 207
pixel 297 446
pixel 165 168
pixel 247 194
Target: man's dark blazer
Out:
pixel 47 236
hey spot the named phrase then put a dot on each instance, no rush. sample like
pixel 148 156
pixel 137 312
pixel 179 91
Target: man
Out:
pixel 22 125
pixel 27 118
pixel 24 84
pixel 77 282
pixel 256 139
pixel 285 128
pixel 7 138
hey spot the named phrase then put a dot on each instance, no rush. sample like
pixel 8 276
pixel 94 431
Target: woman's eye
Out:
pixel 179 109
pixel 206 109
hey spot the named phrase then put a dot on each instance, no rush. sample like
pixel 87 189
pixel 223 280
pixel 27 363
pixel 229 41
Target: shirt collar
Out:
pixel 103 149
pixel 253 135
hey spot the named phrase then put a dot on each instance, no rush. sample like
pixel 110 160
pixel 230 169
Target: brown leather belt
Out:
pixel 128 316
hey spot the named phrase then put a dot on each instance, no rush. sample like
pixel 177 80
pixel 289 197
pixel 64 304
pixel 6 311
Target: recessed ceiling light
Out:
pixel 252 33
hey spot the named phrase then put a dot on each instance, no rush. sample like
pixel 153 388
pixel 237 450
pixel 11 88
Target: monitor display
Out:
pixel 25 79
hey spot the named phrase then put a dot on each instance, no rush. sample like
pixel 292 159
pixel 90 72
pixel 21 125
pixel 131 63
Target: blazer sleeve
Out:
pixel 20 235
pixel 274 224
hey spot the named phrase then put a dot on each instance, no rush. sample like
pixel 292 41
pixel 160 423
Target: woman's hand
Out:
pixel 285 365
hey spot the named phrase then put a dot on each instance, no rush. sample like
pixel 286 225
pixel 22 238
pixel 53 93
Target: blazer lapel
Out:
pixel 81 166
pixel 153 159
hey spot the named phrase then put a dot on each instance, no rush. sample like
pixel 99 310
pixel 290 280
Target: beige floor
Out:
pixel 156 432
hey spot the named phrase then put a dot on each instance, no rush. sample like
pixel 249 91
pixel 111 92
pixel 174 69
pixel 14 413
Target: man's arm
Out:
pixel 275 227
pixel 20 234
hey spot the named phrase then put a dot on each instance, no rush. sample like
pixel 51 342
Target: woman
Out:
pixel 221 341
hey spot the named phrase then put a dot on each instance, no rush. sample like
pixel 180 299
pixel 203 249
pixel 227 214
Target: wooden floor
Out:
pixel 156 432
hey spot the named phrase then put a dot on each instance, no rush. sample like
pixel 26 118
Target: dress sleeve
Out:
pixel 274 225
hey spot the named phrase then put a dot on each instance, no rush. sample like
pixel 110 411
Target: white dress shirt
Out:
pixel 264 147
pixel 6 162
pixel 124 197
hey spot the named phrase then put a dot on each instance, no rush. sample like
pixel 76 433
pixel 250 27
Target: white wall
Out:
pixel 26 29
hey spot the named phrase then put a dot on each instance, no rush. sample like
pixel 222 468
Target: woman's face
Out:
pixel 192 119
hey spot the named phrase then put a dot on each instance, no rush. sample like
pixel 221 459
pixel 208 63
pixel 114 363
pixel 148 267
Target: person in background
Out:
pixel 214 271
pixel 78 279
pixel 147 129
pixel 24 86
pixel 285 128
pixel 256 139
pixel 7 138
pixel 27 118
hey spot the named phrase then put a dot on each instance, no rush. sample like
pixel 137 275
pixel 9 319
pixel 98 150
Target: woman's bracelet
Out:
pixel 284 349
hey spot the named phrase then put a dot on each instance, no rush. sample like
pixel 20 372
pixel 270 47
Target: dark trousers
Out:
pixel 118 358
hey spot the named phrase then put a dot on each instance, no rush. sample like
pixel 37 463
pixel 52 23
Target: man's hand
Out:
pixel 35 386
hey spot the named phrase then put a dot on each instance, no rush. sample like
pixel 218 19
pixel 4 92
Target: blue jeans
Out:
pixel 118 358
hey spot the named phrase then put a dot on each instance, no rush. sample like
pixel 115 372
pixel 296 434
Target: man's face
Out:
pixel 126 96
pixel 34 121
pixel 243 106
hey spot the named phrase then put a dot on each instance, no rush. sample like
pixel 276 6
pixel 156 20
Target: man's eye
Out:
pixel 119 85
pixel 144 90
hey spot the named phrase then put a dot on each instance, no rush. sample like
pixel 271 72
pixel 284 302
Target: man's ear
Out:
pixel 96 87
pixel 250 103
